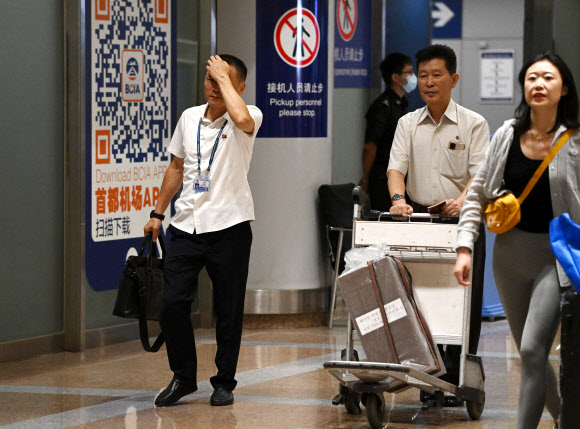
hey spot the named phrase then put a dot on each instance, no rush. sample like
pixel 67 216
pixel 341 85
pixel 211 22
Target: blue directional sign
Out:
pixel 402 16
pixel 292 67
pixel 446 19
pixel 352 44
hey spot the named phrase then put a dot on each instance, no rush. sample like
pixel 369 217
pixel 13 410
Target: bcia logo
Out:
pixel 132 81
pixel 132 68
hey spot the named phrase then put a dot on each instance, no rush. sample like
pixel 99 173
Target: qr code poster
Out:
pixel 130 115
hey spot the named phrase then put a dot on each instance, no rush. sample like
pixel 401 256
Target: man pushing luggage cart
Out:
pixel 430 307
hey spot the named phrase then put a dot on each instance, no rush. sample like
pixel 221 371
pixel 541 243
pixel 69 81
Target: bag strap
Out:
pixel 408 281
pixel 149 240
pixel 144 243
pixel 143 328
pixel 153 247
pixel 561 142
pixel 144 335
pixel 162 244
pixel 382 310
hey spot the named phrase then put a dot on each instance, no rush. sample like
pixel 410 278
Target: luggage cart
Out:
pixel 426 244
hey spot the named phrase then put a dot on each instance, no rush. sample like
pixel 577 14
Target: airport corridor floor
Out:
pixel 281 384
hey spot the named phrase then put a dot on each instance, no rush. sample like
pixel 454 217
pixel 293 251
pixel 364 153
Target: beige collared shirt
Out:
pixel 229 200
pixel 439 159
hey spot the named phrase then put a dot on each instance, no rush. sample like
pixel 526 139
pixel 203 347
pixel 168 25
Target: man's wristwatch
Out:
pixel 396 197
pixel 156 215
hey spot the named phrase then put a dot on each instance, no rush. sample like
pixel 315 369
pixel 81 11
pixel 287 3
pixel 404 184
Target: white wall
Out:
pixel 284 177
pixel 348 128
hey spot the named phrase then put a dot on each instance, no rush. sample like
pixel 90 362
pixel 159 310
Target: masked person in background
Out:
pixel 382 118
pixel 528 279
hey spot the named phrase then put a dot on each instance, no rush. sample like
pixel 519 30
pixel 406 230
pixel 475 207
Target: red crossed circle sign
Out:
pixel 346 18
pixel 297 37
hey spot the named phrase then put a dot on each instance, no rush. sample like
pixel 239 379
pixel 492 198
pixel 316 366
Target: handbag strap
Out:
pixel 149 240
pixel 561 142
pixel 146 240
pixel 382 310
pixel 143 328
pixel 144 335
pixel 408 282
pixel 153 247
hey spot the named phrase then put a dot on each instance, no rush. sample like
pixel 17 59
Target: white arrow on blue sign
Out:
pixel 446 19
pixel 441 14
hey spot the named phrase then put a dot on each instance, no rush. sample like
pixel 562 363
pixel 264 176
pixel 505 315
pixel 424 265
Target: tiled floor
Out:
pixel 281 384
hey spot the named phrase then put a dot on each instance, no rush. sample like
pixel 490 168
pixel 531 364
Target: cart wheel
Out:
pixel 363 398
pixel 351 401
pixel 375 410
pixel 474 409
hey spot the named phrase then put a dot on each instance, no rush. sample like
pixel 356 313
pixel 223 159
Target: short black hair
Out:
pixel 236 63
pixel 567 106
pixel 438 52
pixel 394 63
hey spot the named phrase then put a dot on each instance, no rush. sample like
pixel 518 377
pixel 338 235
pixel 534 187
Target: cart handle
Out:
pixel 449 218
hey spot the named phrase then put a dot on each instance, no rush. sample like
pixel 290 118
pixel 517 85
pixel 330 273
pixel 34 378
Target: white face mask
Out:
pixel 411 83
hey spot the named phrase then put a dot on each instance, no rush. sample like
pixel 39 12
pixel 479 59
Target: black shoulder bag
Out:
pixel 141 290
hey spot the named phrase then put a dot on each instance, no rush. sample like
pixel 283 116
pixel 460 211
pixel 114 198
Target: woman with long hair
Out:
pixel 528 278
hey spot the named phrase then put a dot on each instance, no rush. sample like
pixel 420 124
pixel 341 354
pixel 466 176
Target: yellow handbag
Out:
pixel 503 213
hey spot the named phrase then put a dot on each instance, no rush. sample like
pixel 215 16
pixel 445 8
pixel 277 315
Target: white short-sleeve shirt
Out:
pixel 229 200
pixel 439 159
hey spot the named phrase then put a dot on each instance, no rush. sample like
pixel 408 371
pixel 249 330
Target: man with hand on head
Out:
pixel 382 118
pixel 439 148
pixel 212 147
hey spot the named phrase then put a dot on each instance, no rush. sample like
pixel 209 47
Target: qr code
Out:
pixel 131 78
pixel 130 86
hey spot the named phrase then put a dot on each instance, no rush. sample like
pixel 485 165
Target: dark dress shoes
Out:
pixel 176 390
pixel 221 397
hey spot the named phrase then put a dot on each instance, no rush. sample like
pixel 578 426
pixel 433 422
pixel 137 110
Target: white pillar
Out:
pixel 284 176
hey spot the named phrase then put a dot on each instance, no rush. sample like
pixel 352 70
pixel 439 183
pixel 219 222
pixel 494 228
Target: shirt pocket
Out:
pixel 453 163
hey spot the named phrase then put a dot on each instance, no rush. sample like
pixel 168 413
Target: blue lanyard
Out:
pixel 215 145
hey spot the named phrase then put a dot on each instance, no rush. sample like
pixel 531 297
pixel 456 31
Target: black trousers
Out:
pixel 226 256
pixel 379 189
pixel 451 356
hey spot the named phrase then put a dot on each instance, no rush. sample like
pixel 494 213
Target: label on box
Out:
pixel 395 310
pixel 372 320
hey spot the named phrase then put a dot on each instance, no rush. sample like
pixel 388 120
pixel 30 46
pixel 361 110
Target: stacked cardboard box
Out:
pixel 382 292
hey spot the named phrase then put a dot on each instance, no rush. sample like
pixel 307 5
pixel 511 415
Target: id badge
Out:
pixel 456 145
pixel 201 183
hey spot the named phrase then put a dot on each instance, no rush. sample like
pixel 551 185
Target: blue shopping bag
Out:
pixel 565 243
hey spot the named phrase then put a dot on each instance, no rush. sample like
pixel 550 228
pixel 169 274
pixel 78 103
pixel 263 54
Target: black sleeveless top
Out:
pixel 536 210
